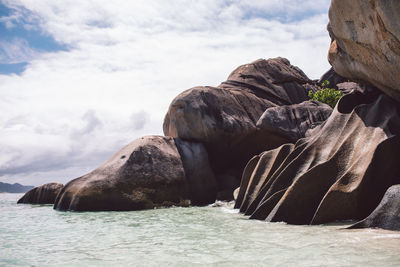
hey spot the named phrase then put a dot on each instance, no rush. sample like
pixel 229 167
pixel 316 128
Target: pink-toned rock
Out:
pixel 366 42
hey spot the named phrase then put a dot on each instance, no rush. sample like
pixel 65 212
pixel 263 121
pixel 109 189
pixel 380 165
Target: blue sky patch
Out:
pixel 16 68
pixel 13 59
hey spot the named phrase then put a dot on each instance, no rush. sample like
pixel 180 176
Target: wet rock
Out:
pixel 339 173
pixel 257 179
pixel 227 183
pixel 201 182
pixel 44 194
pixel 150 172
pixel 236 193
pixel 366 42
pixel 386 215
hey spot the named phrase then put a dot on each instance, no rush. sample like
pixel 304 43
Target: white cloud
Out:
pixel 127 60
pixel 16 51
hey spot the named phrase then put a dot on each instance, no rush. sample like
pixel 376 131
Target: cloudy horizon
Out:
pixel 81 79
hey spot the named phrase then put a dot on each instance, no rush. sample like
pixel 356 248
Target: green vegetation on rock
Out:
pixel 326 95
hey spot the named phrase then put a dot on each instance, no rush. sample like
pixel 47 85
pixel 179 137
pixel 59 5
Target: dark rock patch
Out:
pixel 339 173
pixel 386 215
pixel 294 121
pixel 44 194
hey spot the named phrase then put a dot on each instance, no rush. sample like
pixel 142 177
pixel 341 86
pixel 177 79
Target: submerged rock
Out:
pixel 339 173
pixel 386 215
pixel 44 194
pixel 366 42
pixel 224 118
pixel 150 172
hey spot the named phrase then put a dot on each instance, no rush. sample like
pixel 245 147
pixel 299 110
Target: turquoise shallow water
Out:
pixel 36 235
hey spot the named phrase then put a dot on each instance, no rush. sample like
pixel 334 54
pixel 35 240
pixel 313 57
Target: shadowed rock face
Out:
pixel 200 179
pixel 333 78
pixel 147 173
pixel 294 121
pixel 224 118
pixel 386 215
pixel 366 42
pixel 44 194
pixel 341 172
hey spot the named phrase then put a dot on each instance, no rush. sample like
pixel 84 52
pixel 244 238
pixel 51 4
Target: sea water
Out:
pixel 37 235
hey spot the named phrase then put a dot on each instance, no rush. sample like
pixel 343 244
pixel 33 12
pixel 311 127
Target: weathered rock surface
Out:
pixel 294 121
pixel 386 215
pixel 44 194
pixel 201 183
pixel 366 42
pixel 275 80
pixel 224 118
pixel 150 172
pixel 340 172
pixel 348 87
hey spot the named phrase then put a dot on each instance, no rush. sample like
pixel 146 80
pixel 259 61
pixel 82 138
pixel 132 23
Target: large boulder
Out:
pixel 224 118
pixel 366 42
pixel 340 172
pixel 294 121
pixel 150 172
pixel 275 80
pixel 386 215
pixel 44 194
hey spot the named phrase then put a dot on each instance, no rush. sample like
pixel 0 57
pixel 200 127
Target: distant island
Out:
pixel 14 188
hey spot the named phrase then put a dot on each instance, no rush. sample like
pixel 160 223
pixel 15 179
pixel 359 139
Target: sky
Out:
pixel 81 79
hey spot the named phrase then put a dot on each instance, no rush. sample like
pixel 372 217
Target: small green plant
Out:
pixel 326 95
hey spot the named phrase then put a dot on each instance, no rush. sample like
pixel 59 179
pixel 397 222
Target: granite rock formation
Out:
pixel 224 118
pixel 150 172
pixel 303 162
pixel 342 168
pixel 366 42
pixel 44 194
pixel 386 215
pixel 212 134
pixel 340 172
pixel 293 121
